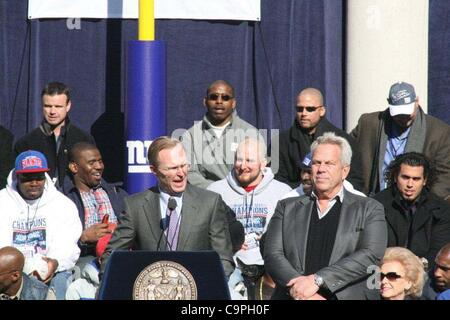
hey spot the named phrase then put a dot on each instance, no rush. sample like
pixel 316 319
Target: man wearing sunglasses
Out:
pixel 310 122
pixel 212 142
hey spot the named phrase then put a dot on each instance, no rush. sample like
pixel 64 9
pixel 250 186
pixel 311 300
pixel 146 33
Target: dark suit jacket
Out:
pixel 203 226
pixel 293 147
pixel 431 224
pixel 42 139
pixel 371 142
pixel 360 242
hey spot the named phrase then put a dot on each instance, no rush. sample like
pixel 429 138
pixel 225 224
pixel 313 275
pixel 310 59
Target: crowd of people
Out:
pixel 361 215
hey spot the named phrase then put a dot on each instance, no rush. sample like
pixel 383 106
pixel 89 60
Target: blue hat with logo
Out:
pixel 306 162
pixel 31 161
pixel 402 99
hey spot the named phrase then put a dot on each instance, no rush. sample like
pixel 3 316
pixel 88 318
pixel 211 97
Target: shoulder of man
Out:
pixel 5 133
pixel 197 192
pixel 78 133
pixel 219 185
pixel 436 124
pixel 28 138
pixel 238 122
pixel 141 196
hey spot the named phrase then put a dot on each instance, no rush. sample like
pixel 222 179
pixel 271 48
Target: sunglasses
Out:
pixel 309 108
pixel 215 96
pixel 391 276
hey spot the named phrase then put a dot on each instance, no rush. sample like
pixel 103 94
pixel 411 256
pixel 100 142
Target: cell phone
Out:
pixel 105 218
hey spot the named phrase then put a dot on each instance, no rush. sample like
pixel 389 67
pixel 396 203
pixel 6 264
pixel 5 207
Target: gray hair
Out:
pixel 342 143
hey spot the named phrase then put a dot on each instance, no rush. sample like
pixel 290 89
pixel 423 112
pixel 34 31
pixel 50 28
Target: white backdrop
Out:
pixel 129 9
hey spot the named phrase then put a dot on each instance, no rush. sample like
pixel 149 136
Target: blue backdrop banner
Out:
pixel 145 113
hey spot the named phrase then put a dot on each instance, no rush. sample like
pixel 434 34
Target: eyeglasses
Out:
pixel 308 108
pixel 391 276
pixel 174 169
pixel 215 96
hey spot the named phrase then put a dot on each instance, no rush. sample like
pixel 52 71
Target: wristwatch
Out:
pixel 318 280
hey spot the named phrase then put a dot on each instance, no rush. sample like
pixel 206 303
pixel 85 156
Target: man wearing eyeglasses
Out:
pixel 40 221
pixel 310 122
pixel 174 216
pixel 16 285
pixel 211 143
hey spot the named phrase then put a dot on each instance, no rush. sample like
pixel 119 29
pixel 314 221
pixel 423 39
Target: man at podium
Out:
pixel 174 216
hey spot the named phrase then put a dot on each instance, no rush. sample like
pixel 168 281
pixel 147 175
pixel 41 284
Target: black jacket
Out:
pixel 42 139
pixel 430 228
pixel 116 196
pixel 6 159
pixel 295 145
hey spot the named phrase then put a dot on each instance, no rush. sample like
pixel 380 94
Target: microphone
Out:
pixel 172 205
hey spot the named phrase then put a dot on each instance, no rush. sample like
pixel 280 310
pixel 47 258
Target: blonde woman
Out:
pixel 402 275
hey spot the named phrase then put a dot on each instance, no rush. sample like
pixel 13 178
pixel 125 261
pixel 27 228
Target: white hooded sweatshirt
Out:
pixel 48 226
pixel 253 209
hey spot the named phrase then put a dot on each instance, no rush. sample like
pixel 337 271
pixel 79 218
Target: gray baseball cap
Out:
pixel 402 99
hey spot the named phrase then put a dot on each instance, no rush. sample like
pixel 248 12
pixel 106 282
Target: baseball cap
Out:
pixel 306 162
pixel 31 161
pixel 402 99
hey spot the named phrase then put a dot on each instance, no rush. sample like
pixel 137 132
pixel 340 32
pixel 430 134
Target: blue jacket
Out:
pixel 33 289
pixel 116 196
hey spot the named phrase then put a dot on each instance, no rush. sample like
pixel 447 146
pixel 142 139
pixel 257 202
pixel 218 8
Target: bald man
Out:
pixel 16 285
pixel 442 269
pixel 310 122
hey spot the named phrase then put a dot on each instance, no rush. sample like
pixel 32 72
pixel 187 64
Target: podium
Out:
pixel 158 275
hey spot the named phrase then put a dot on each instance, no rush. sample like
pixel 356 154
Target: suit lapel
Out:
pixel 302 211
pixel 345 223
pixel 153 212
pixel 188 211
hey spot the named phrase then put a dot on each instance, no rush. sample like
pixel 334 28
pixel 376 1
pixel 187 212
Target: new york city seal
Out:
pixel 165 280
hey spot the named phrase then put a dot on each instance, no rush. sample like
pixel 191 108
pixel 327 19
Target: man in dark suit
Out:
pixel 198 220
pixel 320 246
pixel 294 143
